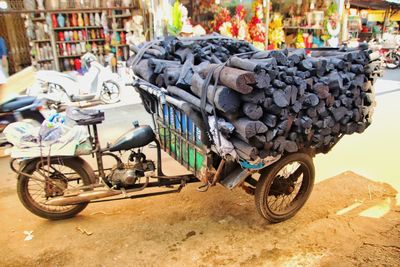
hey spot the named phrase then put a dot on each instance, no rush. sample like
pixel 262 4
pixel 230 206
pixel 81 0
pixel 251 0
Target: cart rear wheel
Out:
pixel 284 187
pixel 63 173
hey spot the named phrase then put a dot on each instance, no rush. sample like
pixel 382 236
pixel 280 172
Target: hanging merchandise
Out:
pixel 66 36
pixel 61 20
pixel 64 49
pixel 117 38
pixel 257 29
pixel 88 47
pixel 276 33
pixel 97 19
pixel 67 20
pixel 73 49
pixel 71 63
pixel 80 20
pixel 66 64
pixel 222 22
pixel 92 34
pixel 126 53
pixel 60 36
pixel 333 25
pixel 76 36
pixel 83 47
pixel 86 19
pixel 78 49
pixel 240 29
pixel 40 4
pixel 91 19
pixel 69 49
pixel 94 48
pixel 74 20
pixel 103 21
pixel 122 38
pixel 299 42
pixel 175 23
pixel 54 20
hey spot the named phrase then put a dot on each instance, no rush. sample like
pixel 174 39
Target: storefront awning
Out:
pixel 376 4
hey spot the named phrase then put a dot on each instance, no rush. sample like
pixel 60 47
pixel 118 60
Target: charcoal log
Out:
pixel 258 141
pixel 187 71
pixel 253 111
pixel 262 79
pixel 269 120
pixel 158 65
pixel 225 99
pixel 171 75
pixel 189 98
pixel 243 149
pixel 181 54
pixel 145 71
pixel 255 97
pixel 248 128
pixel 243 64
pixel 239 80
pixel 280 99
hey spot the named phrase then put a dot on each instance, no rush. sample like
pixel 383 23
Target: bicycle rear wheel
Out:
pixel 61 174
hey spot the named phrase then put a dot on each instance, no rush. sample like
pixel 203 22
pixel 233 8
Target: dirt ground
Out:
pixel 217 228
pixel 349 220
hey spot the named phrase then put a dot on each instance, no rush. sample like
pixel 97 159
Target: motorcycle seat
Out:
pixel 85 116
pixel 76 98
pixel 16 103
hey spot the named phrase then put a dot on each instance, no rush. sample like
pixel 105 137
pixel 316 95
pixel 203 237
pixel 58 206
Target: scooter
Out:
pixel 21 108
pixel 98 83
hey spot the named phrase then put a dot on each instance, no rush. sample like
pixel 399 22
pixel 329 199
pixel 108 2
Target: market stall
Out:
pixel 58 33
pixel 273 24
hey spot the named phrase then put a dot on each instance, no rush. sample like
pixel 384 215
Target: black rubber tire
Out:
pixel 267 177
pixel 396 63
pixel 33 207
pixel 110 101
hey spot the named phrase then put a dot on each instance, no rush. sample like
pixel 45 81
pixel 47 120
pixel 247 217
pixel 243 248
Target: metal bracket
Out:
pixel 236 178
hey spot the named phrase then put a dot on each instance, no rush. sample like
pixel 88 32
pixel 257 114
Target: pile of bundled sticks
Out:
pixel 279 101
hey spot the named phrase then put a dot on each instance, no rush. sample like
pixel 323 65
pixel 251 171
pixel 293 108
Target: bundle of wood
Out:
pixel 279 101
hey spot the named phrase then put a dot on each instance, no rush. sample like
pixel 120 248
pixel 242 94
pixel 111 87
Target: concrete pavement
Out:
pixel 374 153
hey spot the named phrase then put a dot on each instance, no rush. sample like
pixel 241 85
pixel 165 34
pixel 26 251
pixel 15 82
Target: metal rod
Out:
pixel 74 10
pixel 98 153
pixel 217 175
pixel 140 196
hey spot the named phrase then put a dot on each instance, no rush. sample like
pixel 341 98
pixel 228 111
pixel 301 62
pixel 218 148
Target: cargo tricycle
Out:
pixel 59 187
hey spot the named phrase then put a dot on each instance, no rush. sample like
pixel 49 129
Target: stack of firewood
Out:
pixel 279 101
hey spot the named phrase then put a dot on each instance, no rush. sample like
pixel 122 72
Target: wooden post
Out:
pixel 267 4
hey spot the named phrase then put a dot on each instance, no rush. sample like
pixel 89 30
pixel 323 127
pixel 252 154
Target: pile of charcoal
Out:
pixel 278 101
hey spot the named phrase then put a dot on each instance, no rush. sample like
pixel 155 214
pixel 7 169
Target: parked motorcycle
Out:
pixel 21 108
pixel 98 83
pixel 391 57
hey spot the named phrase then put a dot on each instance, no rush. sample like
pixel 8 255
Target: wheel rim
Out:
pixel 392 61
pixel 60 177
pixel 287 191
pixel 110 92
